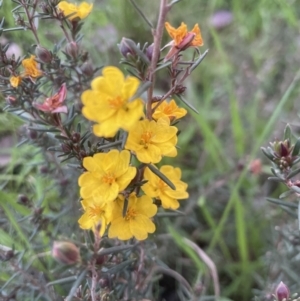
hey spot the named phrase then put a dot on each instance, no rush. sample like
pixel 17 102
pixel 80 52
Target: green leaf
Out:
pixel 113 250
pixel 199 60
pixel 141 89
pixel 282 203
pixel 293 173
pixel 286 194
pixel 76 284
pixel 156 171
pixel 186 103
pixel 296 148
pixel 267 153
pixel 287 133
pixel 295 188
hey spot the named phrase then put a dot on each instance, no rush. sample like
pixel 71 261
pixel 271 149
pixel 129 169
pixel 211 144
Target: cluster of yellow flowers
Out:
pixel 106 183
pixel 109 194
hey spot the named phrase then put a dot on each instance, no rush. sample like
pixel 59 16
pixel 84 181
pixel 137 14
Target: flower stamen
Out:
pixel 130 214
pixel 116 103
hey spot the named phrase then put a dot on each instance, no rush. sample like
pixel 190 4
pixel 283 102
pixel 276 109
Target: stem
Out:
pixel 157 35
pixel 95 276
pixel 29 16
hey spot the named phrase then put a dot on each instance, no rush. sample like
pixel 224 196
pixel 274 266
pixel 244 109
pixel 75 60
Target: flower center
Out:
pixel 146 138
pixel 116 103
pixel 94 212
pixel 109 178
pixel 161 185
pixel 130 214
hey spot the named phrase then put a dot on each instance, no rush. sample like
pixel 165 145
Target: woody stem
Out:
pixel 157 35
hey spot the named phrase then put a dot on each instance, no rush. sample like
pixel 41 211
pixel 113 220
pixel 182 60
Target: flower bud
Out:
pixel 87 69
pixel 282 292
pixel 76 137
pixel 11 100
pixel 43 54
pixel 126 48
pixel 23 199
pixel 65 252
pixel 32 134
pixel 149 51
pixel 72 49
pixel 46 8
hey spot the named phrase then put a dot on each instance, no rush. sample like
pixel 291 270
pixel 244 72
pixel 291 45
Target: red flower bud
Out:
pixel 65 252
pixel 282 292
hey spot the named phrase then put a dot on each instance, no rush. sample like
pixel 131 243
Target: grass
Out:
pixel 246 89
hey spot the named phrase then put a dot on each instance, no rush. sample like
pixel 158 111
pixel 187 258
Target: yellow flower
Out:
pixel 157 188
pixel 31 68
pixel 183 38
pixel 136 222
pixel 168 109
pixel 150 140
pixel 107 174
pixel 15 81
pixel 96 211
pixel 80 11
pixel 109 103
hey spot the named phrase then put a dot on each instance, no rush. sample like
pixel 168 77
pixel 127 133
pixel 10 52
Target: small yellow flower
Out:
pixel 107 174
pixel 15 81
pixel 80 11
pixel 150 140
pixel 137 220
pixel 31 68
pixel 183 38
pixel 157 188
pixel 96 211
pixel 168 109
pixel 109 103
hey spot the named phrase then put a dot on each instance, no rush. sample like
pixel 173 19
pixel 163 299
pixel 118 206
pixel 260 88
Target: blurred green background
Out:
pixel 246 90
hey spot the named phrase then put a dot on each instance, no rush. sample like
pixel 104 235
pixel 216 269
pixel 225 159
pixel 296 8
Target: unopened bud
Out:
pixel 11 100
pixel 76 137
pixel 126 47
pixel 46 8
pixel 87 69
pixel 23 199
pixel 65 252
pixel 149 52
pixel 43 54
pixel 33 134
pixel 72 49
pixel 282 292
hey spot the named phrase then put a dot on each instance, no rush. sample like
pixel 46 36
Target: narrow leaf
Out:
pixel 282 203
pixel 266 153
pixel 293 173
pixel 186 103
pixel 295 188
pixel 287 133
pixel 296 148
pixel 125 207
pixel 161 176
pixel 76 285
pixel 113 250
pixel 286 194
